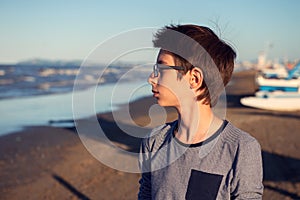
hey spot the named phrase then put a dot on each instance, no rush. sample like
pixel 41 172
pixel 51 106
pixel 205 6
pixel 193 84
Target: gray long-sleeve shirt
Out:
pixel 227 165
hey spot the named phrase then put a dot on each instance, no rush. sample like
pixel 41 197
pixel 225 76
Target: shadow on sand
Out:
pixel 280 168
pixel 69 187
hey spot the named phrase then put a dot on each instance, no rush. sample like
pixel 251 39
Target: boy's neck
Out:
pixel 196 123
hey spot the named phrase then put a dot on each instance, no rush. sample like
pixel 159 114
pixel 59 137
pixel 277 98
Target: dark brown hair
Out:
pixel 182 42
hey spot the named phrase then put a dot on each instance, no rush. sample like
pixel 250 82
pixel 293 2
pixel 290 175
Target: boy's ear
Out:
pixel 196 78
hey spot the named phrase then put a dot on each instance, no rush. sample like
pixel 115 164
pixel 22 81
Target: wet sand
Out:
pixel 52 163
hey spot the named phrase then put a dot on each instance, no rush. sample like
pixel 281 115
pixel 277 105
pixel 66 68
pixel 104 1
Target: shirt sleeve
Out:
pixel 247 172
pixel 145 181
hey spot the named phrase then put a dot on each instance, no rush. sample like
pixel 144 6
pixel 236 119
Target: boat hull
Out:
pixel 276 104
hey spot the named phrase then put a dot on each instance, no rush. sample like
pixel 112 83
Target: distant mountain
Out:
pixel 49 63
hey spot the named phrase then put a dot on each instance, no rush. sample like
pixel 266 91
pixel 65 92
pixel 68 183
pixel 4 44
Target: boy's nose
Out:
pixel 152 80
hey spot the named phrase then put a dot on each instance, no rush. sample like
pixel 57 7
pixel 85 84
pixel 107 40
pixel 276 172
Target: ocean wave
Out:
pixel 53 72
pixel 2 72
pixel 24 80
pixel 28 78
pixel 6 81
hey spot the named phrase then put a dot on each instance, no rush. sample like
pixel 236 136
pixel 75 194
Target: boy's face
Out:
pixel 170 87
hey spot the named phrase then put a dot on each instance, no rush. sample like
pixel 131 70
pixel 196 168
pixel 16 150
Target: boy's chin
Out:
pixel 163 103
pixel 160 102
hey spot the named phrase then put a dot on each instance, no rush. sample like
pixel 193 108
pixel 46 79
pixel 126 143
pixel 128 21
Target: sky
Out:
pixel 70 30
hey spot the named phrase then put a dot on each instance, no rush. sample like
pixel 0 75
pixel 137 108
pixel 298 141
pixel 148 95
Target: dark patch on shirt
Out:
pixel 203 185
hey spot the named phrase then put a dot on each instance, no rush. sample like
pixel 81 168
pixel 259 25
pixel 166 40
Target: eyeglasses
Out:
pixel 158 67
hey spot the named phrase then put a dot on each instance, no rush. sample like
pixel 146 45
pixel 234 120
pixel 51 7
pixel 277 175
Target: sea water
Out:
pixel 18 113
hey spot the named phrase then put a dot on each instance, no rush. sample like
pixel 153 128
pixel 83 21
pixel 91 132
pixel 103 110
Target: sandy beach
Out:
pixel 52 163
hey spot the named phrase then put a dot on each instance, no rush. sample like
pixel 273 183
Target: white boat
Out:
pixel 277 101
pixel 277 91
pixel 270 81
pixel 279 71
pixel 273 84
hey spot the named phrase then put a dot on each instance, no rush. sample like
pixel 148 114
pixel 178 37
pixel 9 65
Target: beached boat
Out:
pixel 275 92
pixel 277 100
pixel 274 84
pixel 277 80
pixel 280 71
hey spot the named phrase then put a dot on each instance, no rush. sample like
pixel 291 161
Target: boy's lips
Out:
pixel 155 93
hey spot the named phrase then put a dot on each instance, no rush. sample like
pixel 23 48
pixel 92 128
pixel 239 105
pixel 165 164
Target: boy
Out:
pixel 200 155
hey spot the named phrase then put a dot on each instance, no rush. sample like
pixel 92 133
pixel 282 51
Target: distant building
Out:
pixel 261 60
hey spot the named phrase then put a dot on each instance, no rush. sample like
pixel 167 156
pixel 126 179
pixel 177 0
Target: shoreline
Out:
pixel 41 110
pixel 45 162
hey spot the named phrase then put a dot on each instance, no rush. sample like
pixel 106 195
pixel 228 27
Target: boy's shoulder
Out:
pixel 159 135
pixel 237 137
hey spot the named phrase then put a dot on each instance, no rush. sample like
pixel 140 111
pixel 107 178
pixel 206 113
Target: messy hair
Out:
pixel 214 53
